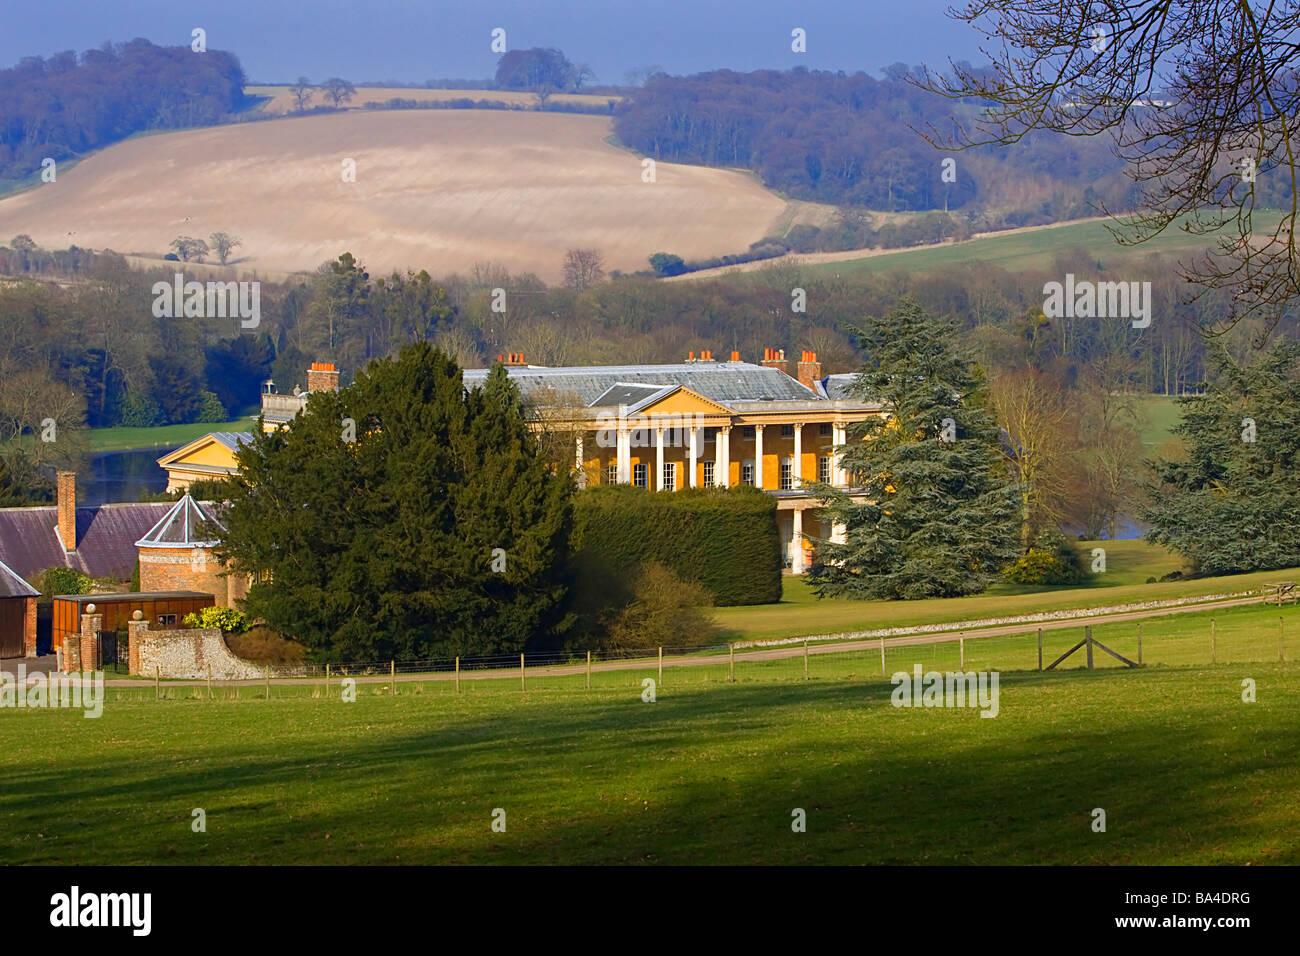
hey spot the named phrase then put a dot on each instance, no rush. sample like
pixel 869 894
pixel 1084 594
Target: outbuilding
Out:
pixel 17 615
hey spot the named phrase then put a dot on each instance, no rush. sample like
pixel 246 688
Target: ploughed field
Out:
pixel 441 190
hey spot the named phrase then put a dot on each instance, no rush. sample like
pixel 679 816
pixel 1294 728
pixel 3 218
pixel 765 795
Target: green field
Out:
pixel 709 773
pixel 161 436
pixel 1033 249
pixel 1128 565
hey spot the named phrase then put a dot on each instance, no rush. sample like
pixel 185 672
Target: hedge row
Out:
pixel 726 540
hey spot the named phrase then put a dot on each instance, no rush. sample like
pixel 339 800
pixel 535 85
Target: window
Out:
pixel 787 474
pixel 710 436
pixel 825 430
pixel 611 474
pixel 787 431
pixel 639 475
pixel 824 470
pixel 670 476
pixel 167 620
pixel 708 474
pixel 747 473
pixel 748 433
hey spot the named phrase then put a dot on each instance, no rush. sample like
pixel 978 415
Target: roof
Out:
pixel 232 440
pixel 12 585
pixel 720 381
pixel 179 528
pixel 124 597
pixel 106 538
pixel 837 386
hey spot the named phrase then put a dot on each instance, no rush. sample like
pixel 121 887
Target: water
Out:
pixel 121 476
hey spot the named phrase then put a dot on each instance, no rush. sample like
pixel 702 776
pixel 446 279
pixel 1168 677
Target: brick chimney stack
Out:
pixel 775 358
pixel 810 370
pixel 322 377
pixel 67 528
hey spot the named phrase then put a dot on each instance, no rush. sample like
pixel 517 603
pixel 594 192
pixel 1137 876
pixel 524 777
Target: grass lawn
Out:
pixel 129 439
pixel 709 773
pixel 1128 565
pixel 1162 414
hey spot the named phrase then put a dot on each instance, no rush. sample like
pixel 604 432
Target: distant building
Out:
pixel 664 427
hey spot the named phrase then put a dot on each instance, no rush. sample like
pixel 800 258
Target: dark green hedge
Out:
pixel 724 539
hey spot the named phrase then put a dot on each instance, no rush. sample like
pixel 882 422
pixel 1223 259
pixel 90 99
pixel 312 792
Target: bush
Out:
pixel 225 618
pixel 1050 560
pixel 664 611
pixel 261 645
pixel 54 581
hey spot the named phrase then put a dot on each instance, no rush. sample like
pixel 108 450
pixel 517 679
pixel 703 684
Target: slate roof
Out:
pixel 12 585
pixel 106 538
pixel 232 440
pixel 837 386
pixel 178 528
pixel 721 381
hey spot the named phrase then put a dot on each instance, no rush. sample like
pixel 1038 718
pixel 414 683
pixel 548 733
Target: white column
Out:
pixel 578 462
pixel 722 455
pixel 796 542
pixel 659 458
pixel 624 454
pixel 758 456
pixel 839 533
pixel 837 472
pixel 798 454
pixel 695 452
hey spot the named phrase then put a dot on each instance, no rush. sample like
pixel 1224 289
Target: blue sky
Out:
pixel 416 40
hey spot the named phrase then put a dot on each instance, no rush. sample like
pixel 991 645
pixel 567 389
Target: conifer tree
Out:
pixel 1233 504
pixel 377 510
pixel 938 513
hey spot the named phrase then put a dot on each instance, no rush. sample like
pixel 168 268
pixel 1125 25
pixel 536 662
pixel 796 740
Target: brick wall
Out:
pixel 29 629
pixel 190 569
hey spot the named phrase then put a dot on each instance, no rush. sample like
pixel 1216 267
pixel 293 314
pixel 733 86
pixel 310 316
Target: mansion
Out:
pixel 698 423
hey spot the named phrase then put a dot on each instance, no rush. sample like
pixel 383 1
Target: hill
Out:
pixel 281 100
pixel 434 189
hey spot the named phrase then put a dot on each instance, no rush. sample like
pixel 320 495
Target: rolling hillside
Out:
pixel 434 189
pixel 282 101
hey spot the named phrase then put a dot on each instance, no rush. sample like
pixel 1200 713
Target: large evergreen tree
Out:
pixel 939 515
pixel 385 546
pixel 1234 503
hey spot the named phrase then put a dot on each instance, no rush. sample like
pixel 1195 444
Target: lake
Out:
pixel 121 476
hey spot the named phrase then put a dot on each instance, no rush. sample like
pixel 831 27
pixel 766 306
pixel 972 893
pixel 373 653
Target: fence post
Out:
pixel 267 669
pixel 1040 648
pixel 588 670
pixel 1087 638
pixel 961 642
pixel 661 665
pixel 805 660
pixel 392 677
pixel 1213 644
pixel 1139 643
pixel 731 662
pixel 882 657
pixel 327 681
pixel 522 686
pixel 458 673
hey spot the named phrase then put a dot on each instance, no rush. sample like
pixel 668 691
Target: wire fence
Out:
pixel 1236 636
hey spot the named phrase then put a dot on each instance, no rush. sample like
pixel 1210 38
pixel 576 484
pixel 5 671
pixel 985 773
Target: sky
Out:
pixel 412 41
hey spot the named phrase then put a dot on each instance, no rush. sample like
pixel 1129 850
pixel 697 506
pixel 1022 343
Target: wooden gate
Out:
pixel 13 620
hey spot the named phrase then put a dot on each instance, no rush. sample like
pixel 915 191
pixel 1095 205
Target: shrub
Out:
pixel 225 618
pixel 665 610
pixel 54 581
pixel 261 645
pixel 1050 560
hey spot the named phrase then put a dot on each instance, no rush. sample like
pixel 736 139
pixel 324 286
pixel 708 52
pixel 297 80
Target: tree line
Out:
pixel 65 105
